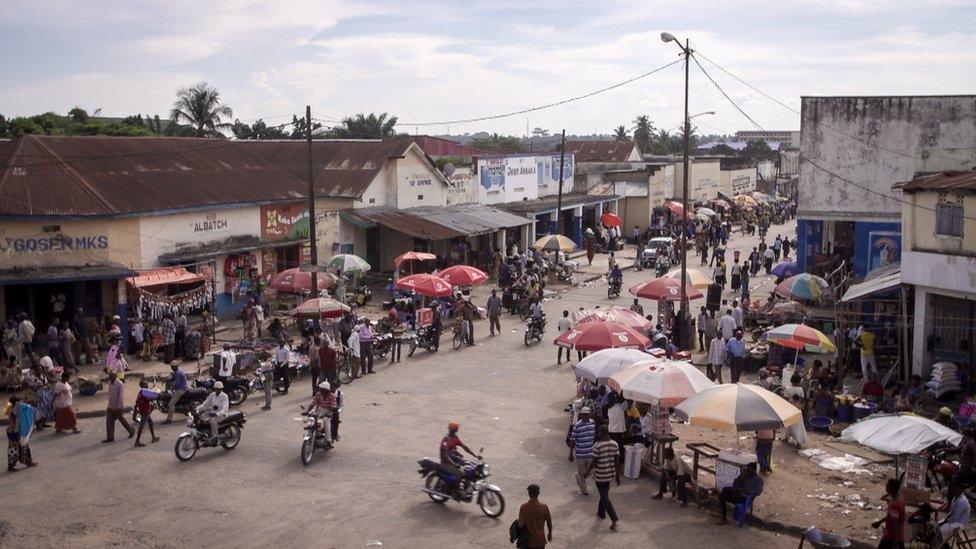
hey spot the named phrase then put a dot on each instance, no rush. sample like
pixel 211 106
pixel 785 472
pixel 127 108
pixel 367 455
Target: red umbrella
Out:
pixel 463 275
pixel 413 256
pixel 664 289
pixel 327 308
pixel 617 314
pixel 296 281
pixel 610 220
pixel 426 285
pixel 718 202
pixel 675 207
pixel 594 336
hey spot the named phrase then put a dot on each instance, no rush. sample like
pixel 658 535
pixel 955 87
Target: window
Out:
pixel 949 219
pixel 420 197
pixel 372 201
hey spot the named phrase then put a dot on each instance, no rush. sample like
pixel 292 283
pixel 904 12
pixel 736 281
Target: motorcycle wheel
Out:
pixel 528 338
pixel 458 341
pixel 233 437
pixel 186 447
pixel 435 484
pixel 413 347
pixel 524 313
pixel 237 395
pixel 492 503
pixel 308 448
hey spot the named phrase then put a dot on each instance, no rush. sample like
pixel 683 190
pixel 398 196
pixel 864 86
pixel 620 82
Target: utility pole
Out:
pixel 684 193
pixel 559 194
pixel 314 253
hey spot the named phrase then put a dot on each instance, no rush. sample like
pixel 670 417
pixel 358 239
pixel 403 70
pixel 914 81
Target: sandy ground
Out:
pixel 508 398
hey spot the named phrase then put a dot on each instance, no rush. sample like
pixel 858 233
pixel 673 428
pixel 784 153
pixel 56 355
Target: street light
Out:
pixel 686 51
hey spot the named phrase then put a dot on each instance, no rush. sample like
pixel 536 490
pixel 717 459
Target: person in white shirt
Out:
pixel 562 326
pixel 959 511
pixel 227 361
pixel 727 325
pixel 716 359
pixel 281 362
pixel 768 260
pixel 215 407
pixel 737 314
pixel 259 315
pixel 353 343
pixel 617 420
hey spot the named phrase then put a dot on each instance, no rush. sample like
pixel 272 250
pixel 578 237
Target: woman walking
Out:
pixel 20 426
pixel 64 414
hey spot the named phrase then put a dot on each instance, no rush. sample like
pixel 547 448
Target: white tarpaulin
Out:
pixel 899 433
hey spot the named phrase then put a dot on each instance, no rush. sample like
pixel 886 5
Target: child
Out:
pixel 144 405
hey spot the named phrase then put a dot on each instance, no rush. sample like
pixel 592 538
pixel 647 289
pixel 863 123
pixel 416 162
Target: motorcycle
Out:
pixel 438 485
pixel 315 437
pixel 661 268
pixel 534 330
pixel 424 339
pixel 188 402
pixel 237 388
pixel 296 371
pixel 198 434
pixel 566 273
pixel 613 287
pixel 382 343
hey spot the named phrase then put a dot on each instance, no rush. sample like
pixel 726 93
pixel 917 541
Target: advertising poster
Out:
pixel 284 222
pixel 885 249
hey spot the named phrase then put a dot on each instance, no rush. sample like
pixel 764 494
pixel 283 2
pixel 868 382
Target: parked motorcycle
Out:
pixel 198 435
pixel 237 388
pixel 613 287
pixel 188 402
pixel 382 343
pixel 438 485
pixel 315 437
pixel 567 272
pixel 424 339
pixel 534 330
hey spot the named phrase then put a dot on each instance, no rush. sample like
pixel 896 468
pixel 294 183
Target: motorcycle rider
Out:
pixel 451 459
pixel 323 406
pixel 214 408
pixel 661 263
pixel 616 276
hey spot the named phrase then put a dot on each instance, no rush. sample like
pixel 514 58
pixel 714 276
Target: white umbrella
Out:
pixel 600 365
pixel 706 212
pixel 348 263
pixel 665 383
pixel 896 434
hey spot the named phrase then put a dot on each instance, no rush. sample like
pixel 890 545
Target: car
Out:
pixel 653 246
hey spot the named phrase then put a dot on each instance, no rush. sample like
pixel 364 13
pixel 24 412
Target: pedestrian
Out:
pixel 25 332
pixel 396 343
pixel 754 259
pixel 747 484
pixel 436 326
pixel 894 520
pixel 865 342
pixel 736 276
pixel 736 352
pixel 494 308
pixel 144 405
pixel 716 359
pixel 354 349
pixel 674 470
pixel 764 450
pixel 777 247
pixel 534 518
pixel 563 325
pixel 606 469
pixel 745 284
pixel 282 365
pixel 64 414
pixel 266 371
pixel 590 251
pixel 314 367
pixel 180 335
pixel 768 256
pixel 737 314
pixel 581 440
pixel 116 402
pixel 786 247
pixel 701 323
pixel 467 315
pixel 617 419
pixel 20 427
pixel 177 386
pixel 54 342
pixel 727 325
pixel 168 328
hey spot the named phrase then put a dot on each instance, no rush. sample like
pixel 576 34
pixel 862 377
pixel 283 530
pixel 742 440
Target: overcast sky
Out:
pixel 431 61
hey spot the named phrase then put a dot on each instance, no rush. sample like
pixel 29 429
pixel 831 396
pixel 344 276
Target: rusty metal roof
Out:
pixel 942 181
pixel 103 176
pixel 402 221
pixel 438 222
pixel 601 151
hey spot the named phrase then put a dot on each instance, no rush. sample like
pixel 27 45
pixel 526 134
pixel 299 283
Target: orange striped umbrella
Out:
pixel 738 407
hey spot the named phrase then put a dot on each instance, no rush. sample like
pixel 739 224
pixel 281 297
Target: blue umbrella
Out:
pixel 785 269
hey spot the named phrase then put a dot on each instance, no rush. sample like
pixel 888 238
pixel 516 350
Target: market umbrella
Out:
pixel 610 220
pixel 413 256
pixel 745 200
pixel 295 281
pixel 664 289
pixel 719 203
pixel 896 434
pixel 321 306
pixel 800 336
pixel 463 275
pixel 594 336
pixel 617 314
pixel 666 383
pixel 803 286
pixel 785 269
pixel 738 407
pixel 675 207
pixel 348 263
pixel 696 278
pixel 599 366
pixel 554 242
pixel 705 211
pixel 426 284
pixel 789 308
pixel 758 196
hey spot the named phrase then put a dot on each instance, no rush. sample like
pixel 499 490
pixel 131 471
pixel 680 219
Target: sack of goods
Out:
pixel 945 379
pixel 633 455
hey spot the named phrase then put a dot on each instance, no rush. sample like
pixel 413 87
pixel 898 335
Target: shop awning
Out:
pixel 402 221
pixel 888 279
pixel 165 276
pixel 437 222
pixel 48 275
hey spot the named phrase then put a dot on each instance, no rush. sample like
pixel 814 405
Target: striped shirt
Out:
pixel 584 432
pixel 605 455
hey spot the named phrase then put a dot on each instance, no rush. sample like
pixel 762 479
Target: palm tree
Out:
pixel 199 107
pixel 643 132
pixel 366 127
pixel 620 133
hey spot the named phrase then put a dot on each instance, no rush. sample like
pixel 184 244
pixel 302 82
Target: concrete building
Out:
pixel 789 139
pixel 938 259
pixel 851 150
pixel 704 179
pixel 641 190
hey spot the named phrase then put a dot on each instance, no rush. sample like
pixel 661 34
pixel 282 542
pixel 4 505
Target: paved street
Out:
pixel 508 399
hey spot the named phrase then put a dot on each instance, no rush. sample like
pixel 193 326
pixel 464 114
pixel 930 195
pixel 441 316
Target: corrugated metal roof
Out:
pixel 402 221
pixel 941 181
pixel 438 222
pixel 549 202
pixel 601 151
pixel 47 274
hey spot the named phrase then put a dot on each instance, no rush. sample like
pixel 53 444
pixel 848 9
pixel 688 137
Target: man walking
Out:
pixel 116 402
pixel 606 468
pixel 494 308
pixel 716 359
pixel 562 326
pixel 581 440
pixel 168 328
pixel 701 323
pixel 366 347
pixel 534 517
pixel 727 325
pixel 144 406
pixel 82 337
pixel 736 349
pixel 177 386
pixel 467 315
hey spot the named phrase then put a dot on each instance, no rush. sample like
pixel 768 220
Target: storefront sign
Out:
pixel 54 244
pixel 885 249
pixel 210 224
pixel 284 222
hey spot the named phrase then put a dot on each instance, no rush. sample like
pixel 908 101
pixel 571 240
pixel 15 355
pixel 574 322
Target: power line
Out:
pixel 547 105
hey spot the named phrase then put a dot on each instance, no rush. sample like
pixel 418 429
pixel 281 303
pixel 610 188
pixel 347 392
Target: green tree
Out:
pixel 4 127
pixel 369 126
pixel 199 107
pixel 79 115
pixel 644 133
pixel 498 143
pixel 723 149
pixel 620 133
pixel 259 130
pixel 757 149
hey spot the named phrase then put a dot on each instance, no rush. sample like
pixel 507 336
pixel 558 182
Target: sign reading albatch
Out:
pixel 515 178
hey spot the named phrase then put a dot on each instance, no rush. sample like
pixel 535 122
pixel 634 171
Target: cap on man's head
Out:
pixel 453 426
pixel 219 385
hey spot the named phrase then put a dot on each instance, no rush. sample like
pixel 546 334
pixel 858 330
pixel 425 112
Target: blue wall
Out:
pixel 863 249
pixel 809 238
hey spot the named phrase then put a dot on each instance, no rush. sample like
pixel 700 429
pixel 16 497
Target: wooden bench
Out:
pixel 700 451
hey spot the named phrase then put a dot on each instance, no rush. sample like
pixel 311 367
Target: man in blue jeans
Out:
pixel 736 353
pixel 606 468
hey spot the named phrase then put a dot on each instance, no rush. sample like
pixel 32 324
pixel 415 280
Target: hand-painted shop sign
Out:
pixel 210 224
pixel 54 244
pixel 284 222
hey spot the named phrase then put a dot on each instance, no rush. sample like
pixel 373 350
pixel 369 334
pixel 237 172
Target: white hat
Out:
pixel 219 385
pixel 325 386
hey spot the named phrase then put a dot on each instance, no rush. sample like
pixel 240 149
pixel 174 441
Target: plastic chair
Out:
pixel 741 509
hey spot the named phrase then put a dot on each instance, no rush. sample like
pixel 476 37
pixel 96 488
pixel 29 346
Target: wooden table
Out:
pixel 654 459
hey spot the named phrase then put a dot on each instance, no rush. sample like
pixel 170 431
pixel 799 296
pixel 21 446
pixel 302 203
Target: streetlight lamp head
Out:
pixel 709 112
pixel 667 37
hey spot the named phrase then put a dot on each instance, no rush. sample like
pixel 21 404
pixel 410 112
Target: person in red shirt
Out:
pixel 144 405
pixel 327 363
pixel 872 389
pixel 451 458
pixel 894 521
